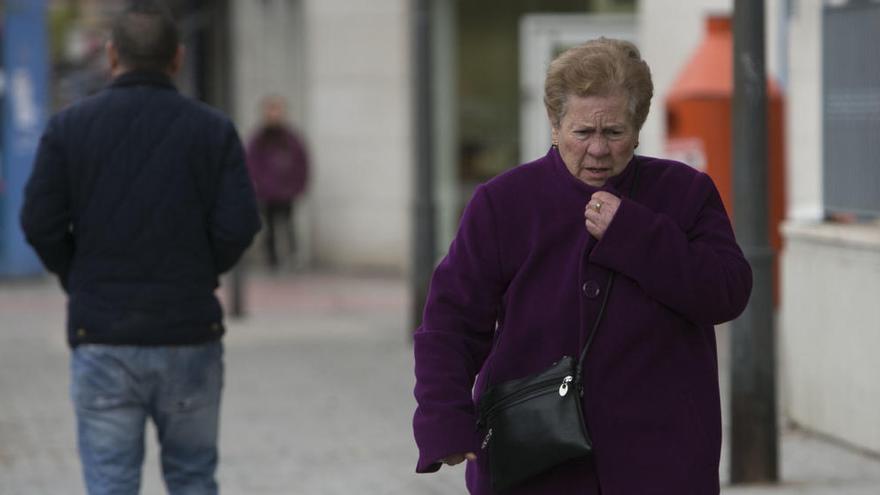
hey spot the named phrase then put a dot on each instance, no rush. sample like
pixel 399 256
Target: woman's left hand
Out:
pixel 599 212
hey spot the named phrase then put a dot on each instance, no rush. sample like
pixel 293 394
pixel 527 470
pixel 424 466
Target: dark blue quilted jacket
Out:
pixel 138 200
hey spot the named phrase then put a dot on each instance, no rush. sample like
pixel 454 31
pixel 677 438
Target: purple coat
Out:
pixel 523 259
pixel 278 164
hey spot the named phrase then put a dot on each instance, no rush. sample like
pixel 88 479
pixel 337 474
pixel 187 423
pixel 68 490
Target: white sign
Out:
pixel 687 150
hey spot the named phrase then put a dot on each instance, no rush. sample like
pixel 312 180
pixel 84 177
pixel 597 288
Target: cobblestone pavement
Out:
pixel 317 399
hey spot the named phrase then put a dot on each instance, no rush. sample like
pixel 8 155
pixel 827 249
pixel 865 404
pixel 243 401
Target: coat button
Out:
pixel 215 327
pixel 81 333
pixel 591 289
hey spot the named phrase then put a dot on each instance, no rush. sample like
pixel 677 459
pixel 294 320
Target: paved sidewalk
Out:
pixel 317 400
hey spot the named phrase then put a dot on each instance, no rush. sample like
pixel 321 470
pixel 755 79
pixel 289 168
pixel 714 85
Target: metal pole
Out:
pixel 754 441
pixel 423 230
pixel 236 290
pixel 224 86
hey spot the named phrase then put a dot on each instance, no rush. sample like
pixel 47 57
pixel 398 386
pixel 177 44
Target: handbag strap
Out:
pixel 580 363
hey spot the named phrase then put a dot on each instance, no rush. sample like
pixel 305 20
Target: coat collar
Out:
pixel 614 185
pixel 143 78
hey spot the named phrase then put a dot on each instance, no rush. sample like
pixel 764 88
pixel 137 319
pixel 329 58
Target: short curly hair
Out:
pixel 599 67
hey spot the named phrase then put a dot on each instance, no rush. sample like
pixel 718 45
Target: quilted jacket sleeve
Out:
pixel 234 218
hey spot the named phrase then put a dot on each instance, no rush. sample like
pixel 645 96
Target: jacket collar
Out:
pixel 616 185
pixel 143 78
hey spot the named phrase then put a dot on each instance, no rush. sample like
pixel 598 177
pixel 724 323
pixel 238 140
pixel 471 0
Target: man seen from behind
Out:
pixel 138 201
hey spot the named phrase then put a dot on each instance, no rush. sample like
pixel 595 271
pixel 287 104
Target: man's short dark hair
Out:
pixel 145 36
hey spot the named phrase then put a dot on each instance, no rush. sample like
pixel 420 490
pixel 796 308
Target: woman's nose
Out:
pixel 598 146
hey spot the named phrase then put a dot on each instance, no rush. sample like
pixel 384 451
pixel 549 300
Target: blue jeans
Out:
pixel 116 388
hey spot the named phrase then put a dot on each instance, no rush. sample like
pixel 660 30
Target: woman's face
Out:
pixel 274 111
pixel 596 137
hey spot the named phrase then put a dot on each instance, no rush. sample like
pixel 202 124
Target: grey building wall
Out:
pixel 344 68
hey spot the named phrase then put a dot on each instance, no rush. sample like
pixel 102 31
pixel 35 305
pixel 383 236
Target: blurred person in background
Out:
pixel 139 199
pixel 528 271
pixel 279 168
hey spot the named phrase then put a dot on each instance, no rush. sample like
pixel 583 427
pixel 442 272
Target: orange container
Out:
pixel 699 125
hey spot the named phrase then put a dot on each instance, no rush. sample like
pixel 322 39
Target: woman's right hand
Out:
pixel 454 459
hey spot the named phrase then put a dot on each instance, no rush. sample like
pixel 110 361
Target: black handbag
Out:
pixel 535 423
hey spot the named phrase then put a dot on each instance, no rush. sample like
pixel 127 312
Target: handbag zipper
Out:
pixel 527 393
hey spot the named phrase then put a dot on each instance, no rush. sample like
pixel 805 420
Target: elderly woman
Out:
pixel 279 168
pixel 524 279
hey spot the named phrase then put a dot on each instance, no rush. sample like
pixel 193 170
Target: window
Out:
pixel 851 109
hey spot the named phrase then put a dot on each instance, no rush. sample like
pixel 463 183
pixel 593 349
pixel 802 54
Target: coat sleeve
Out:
pixel 698 271
pixel 234 218
pixel 456 336
pixel 46 213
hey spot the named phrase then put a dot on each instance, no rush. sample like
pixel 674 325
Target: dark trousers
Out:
pixel 275 212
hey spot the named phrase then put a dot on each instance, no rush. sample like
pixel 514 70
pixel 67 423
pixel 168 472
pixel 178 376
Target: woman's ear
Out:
pixel 554 128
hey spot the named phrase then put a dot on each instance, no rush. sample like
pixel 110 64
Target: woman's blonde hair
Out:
pixel 599 67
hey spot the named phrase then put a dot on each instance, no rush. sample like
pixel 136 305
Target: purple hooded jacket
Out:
pixel 523 259
pixel 278 164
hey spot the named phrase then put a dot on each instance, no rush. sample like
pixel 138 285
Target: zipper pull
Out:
pixel 563 389
pixel 486 439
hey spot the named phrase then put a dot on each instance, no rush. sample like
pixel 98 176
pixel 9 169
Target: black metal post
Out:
pixel 222 85
pixel 423 231
pixel 753 439
pixel 236 290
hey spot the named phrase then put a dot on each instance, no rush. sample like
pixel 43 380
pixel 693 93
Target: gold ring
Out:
pixel 597 206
